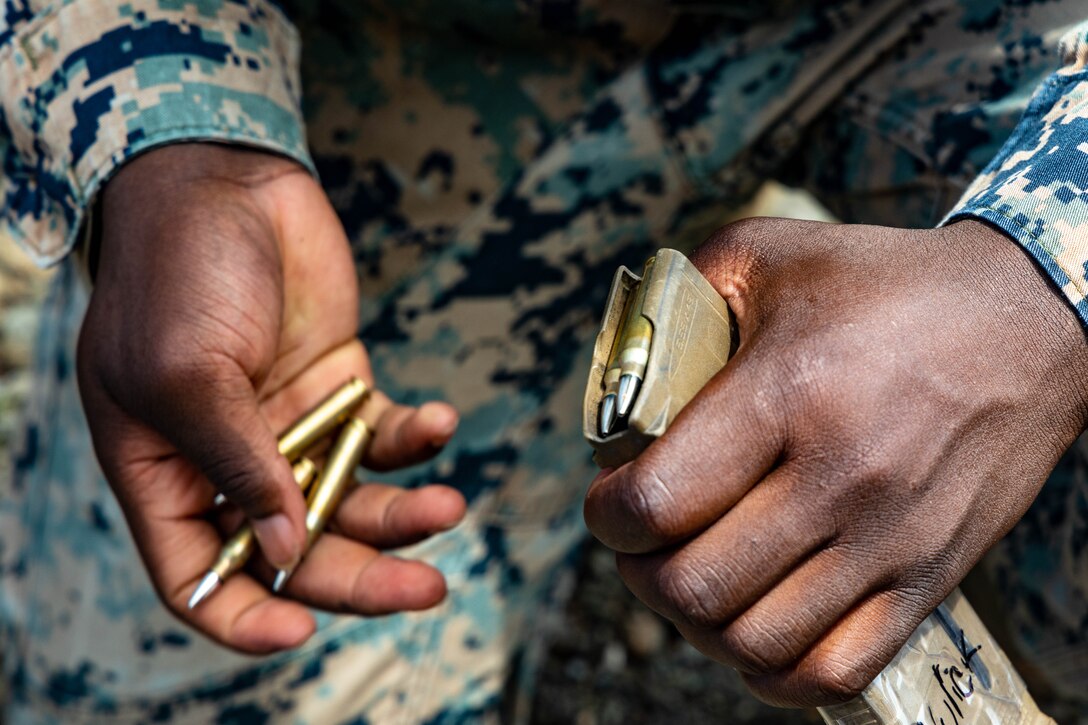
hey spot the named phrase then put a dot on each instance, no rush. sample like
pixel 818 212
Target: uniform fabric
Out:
pixel 493 162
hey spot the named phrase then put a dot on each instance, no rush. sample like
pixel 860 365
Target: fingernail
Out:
pixel 450 426
pixel 443 528
pixel 445 429
pixel 278 541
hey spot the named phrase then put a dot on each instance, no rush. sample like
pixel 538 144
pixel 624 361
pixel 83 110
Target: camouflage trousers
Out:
pixel 885 110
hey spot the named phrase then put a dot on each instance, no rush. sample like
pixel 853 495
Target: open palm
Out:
pixel 225 305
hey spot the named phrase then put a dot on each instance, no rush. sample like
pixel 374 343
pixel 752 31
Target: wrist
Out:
pixel 190 191
pixel 189 163
pixel 1044 331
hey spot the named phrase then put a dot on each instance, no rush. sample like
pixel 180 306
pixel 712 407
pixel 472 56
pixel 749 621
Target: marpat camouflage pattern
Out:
pixel 493 162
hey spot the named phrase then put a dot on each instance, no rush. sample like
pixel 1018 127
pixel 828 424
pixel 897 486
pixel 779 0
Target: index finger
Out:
pixel 405 435
pixel 723 442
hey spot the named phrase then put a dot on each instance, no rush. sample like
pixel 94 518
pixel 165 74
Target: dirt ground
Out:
pixel 613 661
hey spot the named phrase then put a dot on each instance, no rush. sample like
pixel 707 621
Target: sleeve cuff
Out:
pixel 1036 188
pixel 89 84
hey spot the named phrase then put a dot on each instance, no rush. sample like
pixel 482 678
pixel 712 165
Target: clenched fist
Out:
pixel 898 399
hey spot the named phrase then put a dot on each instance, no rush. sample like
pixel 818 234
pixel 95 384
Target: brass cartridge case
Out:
pixel 236 552
pixel 606 417
pixel 323 418
pixel 637 335
pixel 636 348
pixel 637 331
pixel 317 422
pixel 337 477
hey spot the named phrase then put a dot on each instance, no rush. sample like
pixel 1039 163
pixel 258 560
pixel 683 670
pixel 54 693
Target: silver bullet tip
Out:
pixel 608 414
pixel 629 385
pixel 281 578
pixel 207 585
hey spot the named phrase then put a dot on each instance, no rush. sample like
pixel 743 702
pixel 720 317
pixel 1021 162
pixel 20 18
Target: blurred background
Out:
pixel 609 660
pixel 22 287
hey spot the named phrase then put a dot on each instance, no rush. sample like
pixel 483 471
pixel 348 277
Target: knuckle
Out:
pixel 853 472
pixel 835 677
pixel 747 243
pixel 165 373
pixel 912 597
pixel 649 504
pixel 876 467
pixel 691 596
pixel 741 233
pixel 756 649
pixel 731 246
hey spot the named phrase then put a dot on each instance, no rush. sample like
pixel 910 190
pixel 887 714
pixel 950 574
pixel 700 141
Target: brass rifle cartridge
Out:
pixel 337 477
pixel 611 382
pixel 323 418
pixel 636 336
pixel 236 552
pixel 332 484
pixel 318 422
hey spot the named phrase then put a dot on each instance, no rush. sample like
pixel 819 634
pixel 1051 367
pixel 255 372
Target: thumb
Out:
pixel 247 467
pixel 216 423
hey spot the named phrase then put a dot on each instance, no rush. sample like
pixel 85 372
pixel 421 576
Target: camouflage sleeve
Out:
pixel 1036 188
pixel 87 84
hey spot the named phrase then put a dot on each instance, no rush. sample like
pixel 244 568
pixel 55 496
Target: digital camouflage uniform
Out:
pixel 493 161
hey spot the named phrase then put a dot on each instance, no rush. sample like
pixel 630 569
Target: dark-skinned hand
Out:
pixel 225 305
pixel 897 401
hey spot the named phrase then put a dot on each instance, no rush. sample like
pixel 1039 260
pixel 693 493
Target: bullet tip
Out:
pixel 629 385
pixel 281 578
pixel 608 414
pixel 207 585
